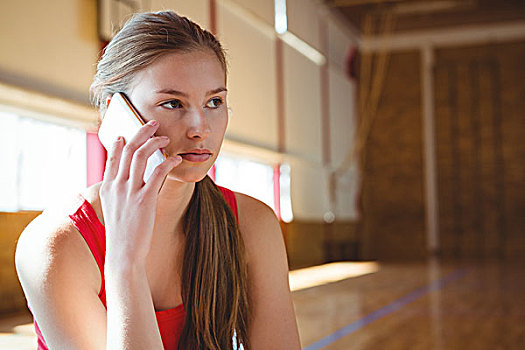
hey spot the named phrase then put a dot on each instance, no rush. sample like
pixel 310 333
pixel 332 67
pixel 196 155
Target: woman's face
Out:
pixel 186 94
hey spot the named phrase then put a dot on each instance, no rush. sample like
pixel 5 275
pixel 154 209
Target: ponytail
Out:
pixel 214 277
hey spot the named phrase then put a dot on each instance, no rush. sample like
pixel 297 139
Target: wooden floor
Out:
pixel 474 305
pixel 418 306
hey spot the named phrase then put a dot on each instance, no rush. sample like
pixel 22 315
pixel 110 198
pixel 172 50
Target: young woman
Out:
pixel 183 264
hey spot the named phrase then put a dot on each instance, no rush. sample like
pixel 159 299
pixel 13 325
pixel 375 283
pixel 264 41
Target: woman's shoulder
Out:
pixel 53 225
pixel 51 244
pixel 259 225
pixel 251 208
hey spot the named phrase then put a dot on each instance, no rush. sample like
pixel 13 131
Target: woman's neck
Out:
pixel 173 200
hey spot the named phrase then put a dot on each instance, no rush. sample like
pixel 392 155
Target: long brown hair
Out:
pixel 214 277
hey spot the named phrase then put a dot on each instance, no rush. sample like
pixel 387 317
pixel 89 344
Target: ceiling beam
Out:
pixel 353 3
pixel 453 36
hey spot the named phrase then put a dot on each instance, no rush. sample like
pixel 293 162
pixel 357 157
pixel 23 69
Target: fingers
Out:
pixel 144 133
pixel 141 156
pixel 112 163
pixel 157 177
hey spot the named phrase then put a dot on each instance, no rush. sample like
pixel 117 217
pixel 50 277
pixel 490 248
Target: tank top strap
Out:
pixel 229 196
pixel 86 221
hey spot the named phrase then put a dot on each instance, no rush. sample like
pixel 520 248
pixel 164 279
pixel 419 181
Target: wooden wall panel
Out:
pixel 11 226
pixel 393 224
pixel 480 128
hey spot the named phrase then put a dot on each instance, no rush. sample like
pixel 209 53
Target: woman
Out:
pixel 182 264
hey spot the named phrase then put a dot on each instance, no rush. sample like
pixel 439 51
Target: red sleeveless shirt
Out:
pixel 85 219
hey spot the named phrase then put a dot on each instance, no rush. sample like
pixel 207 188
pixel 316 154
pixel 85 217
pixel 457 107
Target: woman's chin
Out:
pixel 189 176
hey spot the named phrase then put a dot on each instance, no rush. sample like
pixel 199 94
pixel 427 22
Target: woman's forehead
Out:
pixel 186 72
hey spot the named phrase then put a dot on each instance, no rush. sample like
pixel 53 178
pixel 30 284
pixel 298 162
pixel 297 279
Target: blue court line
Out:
pixel 385 310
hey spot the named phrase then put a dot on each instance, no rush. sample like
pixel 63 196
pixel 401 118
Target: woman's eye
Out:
pixel 173 104
pixel 214 102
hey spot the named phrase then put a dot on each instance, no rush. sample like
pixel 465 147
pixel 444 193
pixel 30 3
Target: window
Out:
pixel 255 179
pixel 281 21
pixel 40 162
pixel 286 198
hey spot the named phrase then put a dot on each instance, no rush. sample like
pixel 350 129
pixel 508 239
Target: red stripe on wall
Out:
pixel 212 172
pixel 213 17
pixel 95 158
pixel 325 96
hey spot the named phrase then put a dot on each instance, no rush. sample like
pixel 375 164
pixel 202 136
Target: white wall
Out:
pixel 339 43
pixel 302 107
pixel 251 79
pixel 303 21
pixel 49 46
pixel 343 125
pixel 260 8
pixel 196 10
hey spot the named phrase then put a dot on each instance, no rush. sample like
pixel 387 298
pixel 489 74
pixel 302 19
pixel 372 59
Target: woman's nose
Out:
pixel 198 124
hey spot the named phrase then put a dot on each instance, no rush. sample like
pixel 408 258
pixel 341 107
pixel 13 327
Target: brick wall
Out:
pixel 480 128
pixel 480 95
pixel 392 194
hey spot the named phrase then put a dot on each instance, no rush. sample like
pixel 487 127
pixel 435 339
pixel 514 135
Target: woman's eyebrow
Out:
pixel 183 94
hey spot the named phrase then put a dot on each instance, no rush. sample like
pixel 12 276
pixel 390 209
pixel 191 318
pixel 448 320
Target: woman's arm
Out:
pixel 131 315
pixel 273 318
pixel 61 280
pixel 129 208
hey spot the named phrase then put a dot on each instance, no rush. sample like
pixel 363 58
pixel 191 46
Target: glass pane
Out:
pixel 246 176
pixel 286 199
pixel 45 162
pixel 8 159
pixel 53 162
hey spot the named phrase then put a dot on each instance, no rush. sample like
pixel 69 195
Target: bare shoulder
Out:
pixel 54 226
pixel 51 244
pixel 253 212
pixel 260 229
pixel 256 217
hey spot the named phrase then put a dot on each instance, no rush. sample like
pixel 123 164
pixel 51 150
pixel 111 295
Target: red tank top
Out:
pixel 85 219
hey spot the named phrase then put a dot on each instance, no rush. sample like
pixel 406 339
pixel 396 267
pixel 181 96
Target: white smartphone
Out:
pixel 122 119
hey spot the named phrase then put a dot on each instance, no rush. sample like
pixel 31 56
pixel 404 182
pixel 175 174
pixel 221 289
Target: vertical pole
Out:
pixel 279 67
pixel 277 189
pixel 325 97
pixel 429 151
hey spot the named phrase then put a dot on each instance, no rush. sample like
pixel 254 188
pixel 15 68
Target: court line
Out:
pixel 385 310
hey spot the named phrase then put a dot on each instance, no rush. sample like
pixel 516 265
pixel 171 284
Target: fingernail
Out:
pixel 163 137
pixel 119 139
pixel 153 123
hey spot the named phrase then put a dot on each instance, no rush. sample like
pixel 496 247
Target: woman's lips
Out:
pixel 193 157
